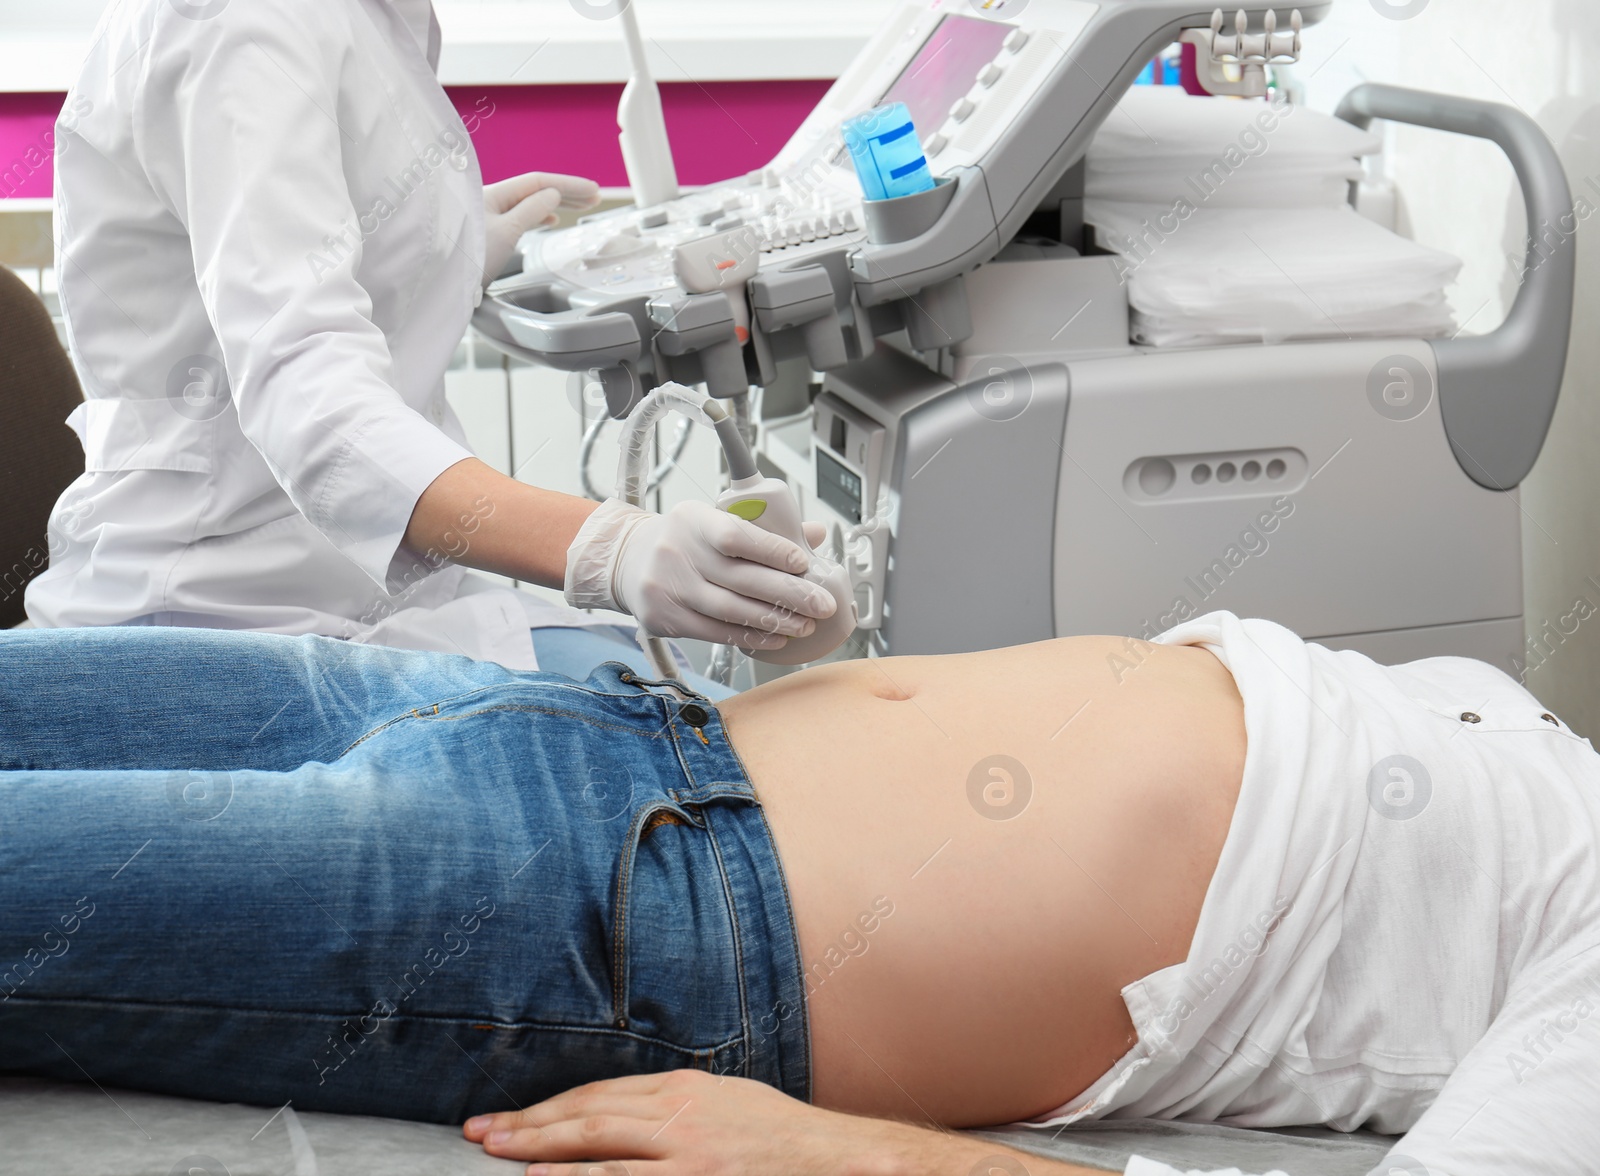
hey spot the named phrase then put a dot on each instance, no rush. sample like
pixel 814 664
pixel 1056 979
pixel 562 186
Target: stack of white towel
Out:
pixel 1232 224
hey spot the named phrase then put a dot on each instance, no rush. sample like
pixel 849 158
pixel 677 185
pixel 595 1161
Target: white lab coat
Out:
pixel 270 239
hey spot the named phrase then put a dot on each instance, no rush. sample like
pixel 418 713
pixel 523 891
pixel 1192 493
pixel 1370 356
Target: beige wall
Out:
pixel 25 241
pixel 1542 56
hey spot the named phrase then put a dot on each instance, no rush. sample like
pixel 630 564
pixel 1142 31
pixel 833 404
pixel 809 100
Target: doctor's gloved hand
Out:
pixel 695 571
pixel 524 202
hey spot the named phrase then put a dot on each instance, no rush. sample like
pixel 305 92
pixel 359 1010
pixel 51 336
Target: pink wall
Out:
pixel 718 130
pixel 27 140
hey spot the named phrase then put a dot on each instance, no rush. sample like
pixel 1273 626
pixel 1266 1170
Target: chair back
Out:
pixel 39 456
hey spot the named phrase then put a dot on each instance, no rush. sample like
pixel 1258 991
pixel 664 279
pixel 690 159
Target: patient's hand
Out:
pixel 690 1123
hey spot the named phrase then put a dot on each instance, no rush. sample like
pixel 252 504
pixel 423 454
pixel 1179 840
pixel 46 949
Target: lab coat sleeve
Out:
pixel 242 131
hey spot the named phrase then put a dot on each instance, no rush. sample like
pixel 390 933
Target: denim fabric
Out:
pixel 576 652
pixel 257 868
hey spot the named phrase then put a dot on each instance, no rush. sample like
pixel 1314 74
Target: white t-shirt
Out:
pixel 1403 932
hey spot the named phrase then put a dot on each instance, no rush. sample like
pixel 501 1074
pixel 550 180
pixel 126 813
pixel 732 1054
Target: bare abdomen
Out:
pixel 982 851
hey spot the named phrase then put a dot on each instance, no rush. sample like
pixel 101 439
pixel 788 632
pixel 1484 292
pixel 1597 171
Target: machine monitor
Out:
pixel 945 68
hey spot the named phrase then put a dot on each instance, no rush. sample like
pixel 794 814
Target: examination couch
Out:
pixel 53 1129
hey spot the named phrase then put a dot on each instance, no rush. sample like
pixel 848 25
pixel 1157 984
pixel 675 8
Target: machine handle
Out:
pixel 534 319
pixel 575 340
pixel 1498 392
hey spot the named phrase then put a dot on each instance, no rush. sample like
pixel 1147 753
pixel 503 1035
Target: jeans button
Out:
pixel 695 715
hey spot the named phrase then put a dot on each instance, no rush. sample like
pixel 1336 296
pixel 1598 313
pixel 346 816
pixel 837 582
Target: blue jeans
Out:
pixel 576 652
pixel 257 868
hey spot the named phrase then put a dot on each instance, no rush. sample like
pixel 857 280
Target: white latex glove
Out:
pixel 524 202
pixel 695 571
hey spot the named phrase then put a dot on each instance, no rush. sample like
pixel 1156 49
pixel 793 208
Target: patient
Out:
pixel 1227 876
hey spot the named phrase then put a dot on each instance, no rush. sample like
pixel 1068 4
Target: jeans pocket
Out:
pixel 659 912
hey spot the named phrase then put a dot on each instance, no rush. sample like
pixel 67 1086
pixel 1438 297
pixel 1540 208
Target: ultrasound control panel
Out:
pixel 1005 94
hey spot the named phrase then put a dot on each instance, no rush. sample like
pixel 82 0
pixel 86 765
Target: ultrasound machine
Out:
pixel 946 379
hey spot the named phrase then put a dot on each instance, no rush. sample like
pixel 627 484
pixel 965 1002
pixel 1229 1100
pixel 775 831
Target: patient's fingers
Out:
pixel 593 1137
pixel 566 1105
pixel 645 1107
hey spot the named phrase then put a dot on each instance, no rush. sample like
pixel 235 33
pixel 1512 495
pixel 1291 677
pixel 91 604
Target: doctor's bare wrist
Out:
pixel 480 518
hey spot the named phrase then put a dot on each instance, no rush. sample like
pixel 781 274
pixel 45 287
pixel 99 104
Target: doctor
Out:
pixel 271 235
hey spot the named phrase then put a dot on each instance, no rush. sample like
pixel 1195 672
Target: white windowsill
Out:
pixel 504 42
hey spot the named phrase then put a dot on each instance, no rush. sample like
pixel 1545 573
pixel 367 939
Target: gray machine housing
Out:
pixel 1396 533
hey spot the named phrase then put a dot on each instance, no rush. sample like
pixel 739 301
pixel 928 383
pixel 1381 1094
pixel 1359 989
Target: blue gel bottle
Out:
pixel 887 153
